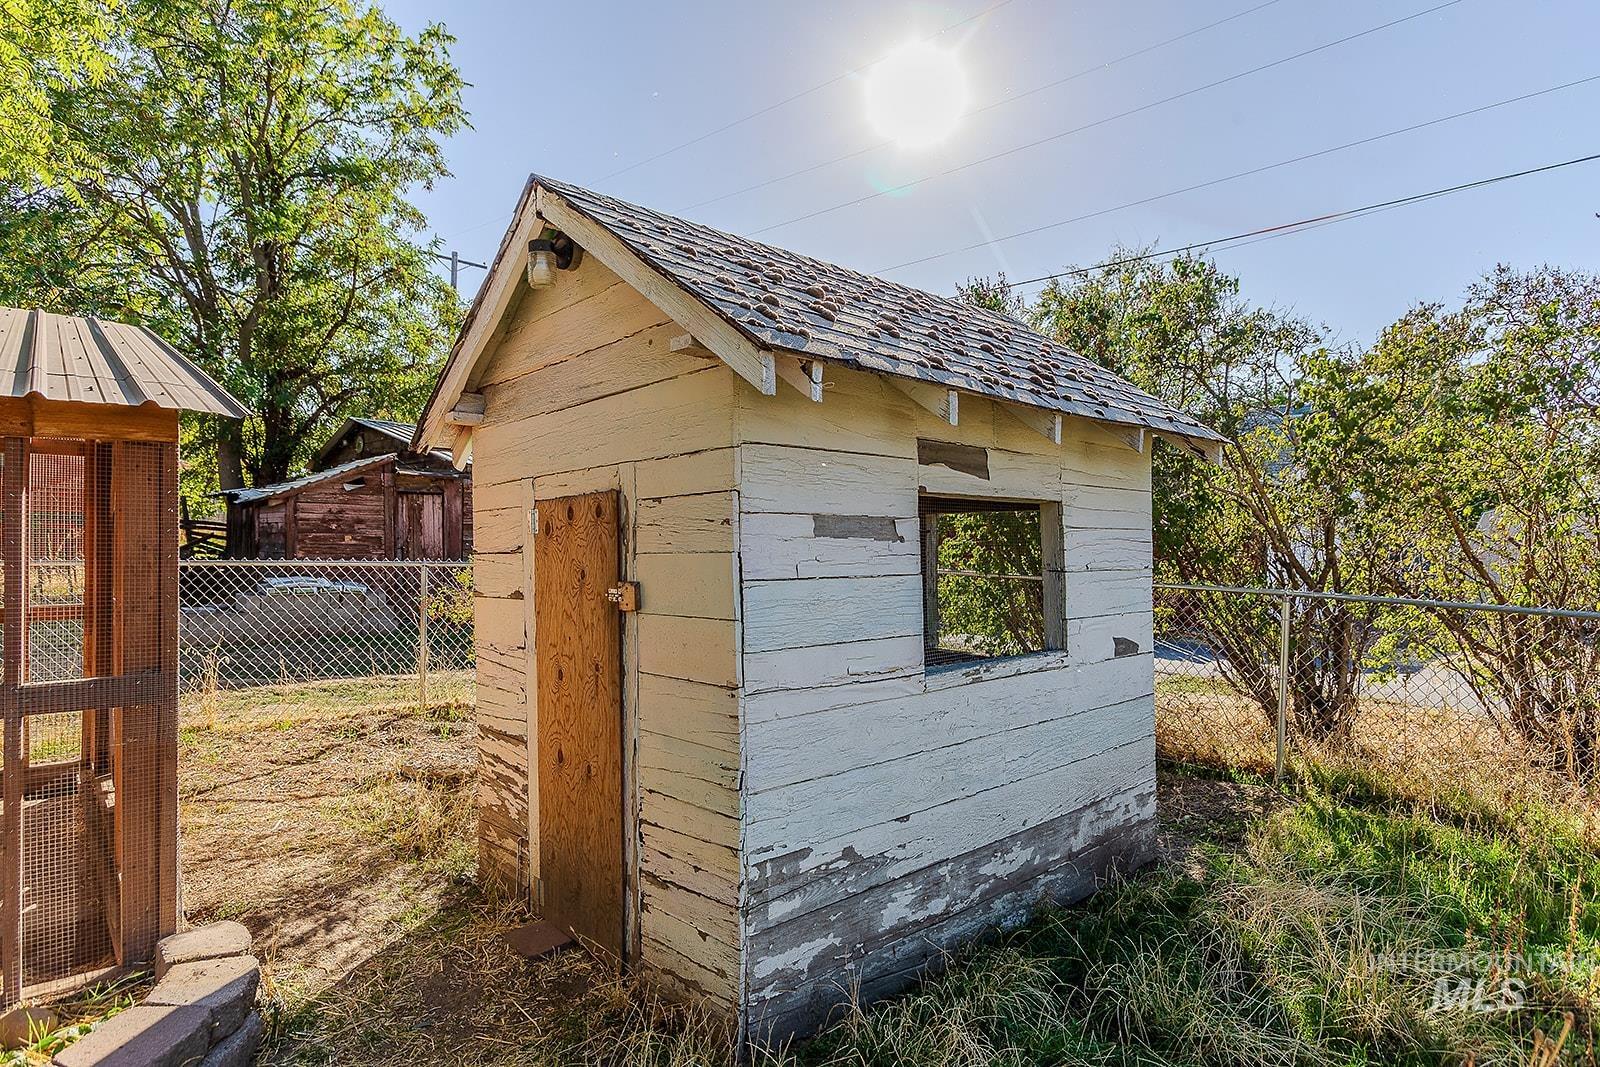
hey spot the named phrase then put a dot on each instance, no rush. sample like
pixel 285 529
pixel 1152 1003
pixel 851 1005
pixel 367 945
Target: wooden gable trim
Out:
pixel 537 208
pixel 505 275
pixel 750 361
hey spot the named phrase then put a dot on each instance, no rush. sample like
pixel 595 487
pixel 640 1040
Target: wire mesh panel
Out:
pixel 55 561
pixel 1457 695
pixel 248 623
pixel 89 808
pixel 984 579
pixel 1216 678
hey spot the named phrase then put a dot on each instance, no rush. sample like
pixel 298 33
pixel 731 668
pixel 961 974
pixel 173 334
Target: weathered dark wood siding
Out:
pixel 356 517
pixel 341 518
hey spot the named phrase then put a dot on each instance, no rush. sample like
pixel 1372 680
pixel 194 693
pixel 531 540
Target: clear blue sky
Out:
pixel 580 90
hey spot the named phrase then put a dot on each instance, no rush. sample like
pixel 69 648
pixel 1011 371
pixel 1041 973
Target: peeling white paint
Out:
pixel 796 957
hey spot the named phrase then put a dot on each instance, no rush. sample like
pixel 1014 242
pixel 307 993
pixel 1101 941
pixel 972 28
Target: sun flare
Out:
pixel 916 94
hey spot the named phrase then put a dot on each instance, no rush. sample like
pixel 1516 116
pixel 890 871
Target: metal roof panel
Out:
pixel 97 361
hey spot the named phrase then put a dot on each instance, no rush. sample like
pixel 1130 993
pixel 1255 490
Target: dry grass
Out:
pixel 329 818
pixel 335 821
pixel 1203 721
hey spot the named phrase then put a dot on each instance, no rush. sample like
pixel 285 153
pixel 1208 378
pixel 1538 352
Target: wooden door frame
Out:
pixel 620 479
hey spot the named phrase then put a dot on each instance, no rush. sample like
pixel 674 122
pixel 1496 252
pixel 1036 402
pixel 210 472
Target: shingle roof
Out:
pixel 96 361
pixel 786 301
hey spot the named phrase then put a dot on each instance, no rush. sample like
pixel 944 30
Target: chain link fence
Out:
pixel 293 624
pixel 1260 680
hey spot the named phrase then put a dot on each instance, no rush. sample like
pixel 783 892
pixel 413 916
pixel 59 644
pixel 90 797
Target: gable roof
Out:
pixel 399 432
pixel 764 300
pixel 97 361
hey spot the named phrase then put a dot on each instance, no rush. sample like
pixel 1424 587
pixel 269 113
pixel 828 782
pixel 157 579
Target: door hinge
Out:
pixel 624 596
pixel 538 893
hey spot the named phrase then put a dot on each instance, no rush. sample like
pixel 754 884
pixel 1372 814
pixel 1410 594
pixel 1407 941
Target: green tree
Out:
pixel 1268 514
pixel 45 46
pixel 1471 439
pixel 999 614
pixel 247 174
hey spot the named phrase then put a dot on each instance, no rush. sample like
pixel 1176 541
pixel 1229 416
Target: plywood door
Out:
pixel 578 652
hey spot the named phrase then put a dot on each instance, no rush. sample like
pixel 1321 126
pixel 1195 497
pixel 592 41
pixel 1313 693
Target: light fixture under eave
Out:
pixel 549 252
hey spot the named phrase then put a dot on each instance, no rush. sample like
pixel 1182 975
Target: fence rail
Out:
pixel 1245 678
pixel 1255 678
pixel 246 623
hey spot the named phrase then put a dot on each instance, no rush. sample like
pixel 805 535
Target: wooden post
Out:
pixel 422 640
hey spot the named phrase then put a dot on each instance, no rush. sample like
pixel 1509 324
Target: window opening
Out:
pixel 984 580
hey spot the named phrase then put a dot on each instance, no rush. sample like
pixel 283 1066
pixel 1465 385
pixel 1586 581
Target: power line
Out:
pixel 1034 230
pixel 752 115
pixel 837 78
pixel 1286 229
pixel 813 168
pixel 1101 122
pixel 456 263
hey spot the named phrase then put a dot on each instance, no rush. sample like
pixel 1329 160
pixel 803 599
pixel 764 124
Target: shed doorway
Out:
pixel 578 656
pixel 419 525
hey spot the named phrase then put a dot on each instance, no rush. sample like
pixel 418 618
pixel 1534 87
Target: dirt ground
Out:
pixel 335 821
pixel 332 819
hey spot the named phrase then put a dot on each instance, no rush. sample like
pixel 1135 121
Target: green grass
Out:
pixel 1180 684
pixel 1270 953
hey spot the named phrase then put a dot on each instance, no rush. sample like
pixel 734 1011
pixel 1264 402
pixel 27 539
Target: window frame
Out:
pixel 1052 559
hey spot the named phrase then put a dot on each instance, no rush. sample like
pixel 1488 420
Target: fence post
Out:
pixel 1283 689
pixel 422 641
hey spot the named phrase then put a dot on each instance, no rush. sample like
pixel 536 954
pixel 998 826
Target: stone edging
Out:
pixel 201 1012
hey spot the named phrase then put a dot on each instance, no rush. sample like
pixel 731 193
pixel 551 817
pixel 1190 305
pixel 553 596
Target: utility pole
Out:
pixel 456 263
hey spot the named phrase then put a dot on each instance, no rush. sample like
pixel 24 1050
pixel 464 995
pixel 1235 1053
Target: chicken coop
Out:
pixel 89 613
pixel 813 612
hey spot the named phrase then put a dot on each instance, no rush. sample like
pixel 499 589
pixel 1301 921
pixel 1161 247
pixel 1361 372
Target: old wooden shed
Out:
pixel 369 496
pixel 813 611
pixel 89 694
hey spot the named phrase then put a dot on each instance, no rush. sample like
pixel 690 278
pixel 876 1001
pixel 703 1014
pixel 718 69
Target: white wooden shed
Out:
pixel 729 733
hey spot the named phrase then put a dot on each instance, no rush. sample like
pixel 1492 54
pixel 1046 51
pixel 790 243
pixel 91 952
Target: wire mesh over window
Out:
pixel 983 580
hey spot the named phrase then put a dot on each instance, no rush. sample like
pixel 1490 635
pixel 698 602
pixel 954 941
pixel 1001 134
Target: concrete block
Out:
pixel 209 942
pixel 239 1048
pixel 143 1036
pixel 226 988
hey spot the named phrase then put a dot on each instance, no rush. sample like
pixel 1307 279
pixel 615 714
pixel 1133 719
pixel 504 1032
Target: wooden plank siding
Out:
pixel 806 808
pixel 888 811
pixel 583 394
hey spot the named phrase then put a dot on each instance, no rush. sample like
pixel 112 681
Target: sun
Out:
pixel 916 94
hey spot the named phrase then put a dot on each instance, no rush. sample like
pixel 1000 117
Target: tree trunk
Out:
pixel 230 455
